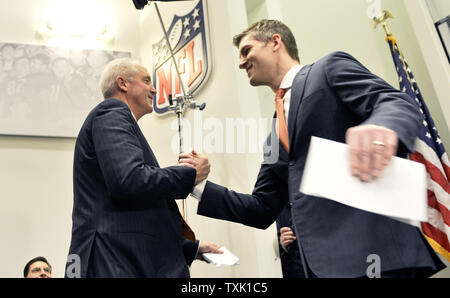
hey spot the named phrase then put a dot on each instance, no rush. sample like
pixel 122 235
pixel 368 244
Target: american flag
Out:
pixel 429 151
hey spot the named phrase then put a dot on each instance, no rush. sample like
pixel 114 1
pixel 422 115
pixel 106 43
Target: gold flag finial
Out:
pixel 382 20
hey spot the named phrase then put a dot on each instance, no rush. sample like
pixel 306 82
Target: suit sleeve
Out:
pixel 259 210
pixel 121 160
pixel 372 98
pixel 190 250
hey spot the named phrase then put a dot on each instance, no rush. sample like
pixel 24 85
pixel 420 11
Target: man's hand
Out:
pixel 207 247
pixel 371 150
pixel 286 238
pixel 197 161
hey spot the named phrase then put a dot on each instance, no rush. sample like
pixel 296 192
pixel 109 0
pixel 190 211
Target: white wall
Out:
pixel 228 95
pixel 323 26
pixel 36 173
pixel 439 9
pixel 436 61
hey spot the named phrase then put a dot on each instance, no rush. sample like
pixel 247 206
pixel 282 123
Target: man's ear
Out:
pixel 276 41
pixel 122 84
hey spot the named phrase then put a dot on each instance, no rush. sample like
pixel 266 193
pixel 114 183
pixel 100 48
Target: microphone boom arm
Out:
pixel 180 103
pixel 183 101
pixel 170 48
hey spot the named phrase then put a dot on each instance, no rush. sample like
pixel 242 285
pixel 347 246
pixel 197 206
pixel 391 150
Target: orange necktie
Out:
pixel 281 125
pixel 187 232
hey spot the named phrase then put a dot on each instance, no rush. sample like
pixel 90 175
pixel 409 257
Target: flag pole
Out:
pixel 381 19
pixel 428 147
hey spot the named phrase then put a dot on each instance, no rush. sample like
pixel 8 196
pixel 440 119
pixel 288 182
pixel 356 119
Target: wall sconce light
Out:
pixel 64 31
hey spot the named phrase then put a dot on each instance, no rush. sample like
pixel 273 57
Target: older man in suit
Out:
pixel 126 222
pixel 336 98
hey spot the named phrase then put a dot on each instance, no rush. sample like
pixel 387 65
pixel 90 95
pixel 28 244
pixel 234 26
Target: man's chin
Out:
pixel 150 107
pixel 255 83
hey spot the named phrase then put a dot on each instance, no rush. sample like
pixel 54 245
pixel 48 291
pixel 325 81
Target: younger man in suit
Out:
pixel 336 98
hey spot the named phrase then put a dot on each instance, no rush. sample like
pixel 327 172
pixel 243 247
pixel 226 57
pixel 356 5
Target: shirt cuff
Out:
pixel 198 190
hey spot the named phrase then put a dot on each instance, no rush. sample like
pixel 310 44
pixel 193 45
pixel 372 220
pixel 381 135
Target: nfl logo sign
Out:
pixel 189 42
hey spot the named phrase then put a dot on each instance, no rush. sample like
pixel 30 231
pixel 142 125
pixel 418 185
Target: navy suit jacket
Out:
pixel 329 97
pixel 291 261
pixel 125 219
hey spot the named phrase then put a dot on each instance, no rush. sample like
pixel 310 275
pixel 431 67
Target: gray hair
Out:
pixel 125 67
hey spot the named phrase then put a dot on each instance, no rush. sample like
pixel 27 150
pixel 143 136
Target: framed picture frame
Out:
pixel 48 91
pixel 443 29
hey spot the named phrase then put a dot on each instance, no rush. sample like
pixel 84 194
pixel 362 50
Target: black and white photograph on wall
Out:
pixel 48 91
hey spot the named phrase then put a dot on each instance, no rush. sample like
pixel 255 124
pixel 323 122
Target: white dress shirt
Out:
pixel 286 83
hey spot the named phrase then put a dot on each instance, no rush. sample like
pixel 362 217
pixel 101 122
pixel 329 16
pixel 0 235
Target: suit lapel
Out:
pixel 148 153
pixel 298 88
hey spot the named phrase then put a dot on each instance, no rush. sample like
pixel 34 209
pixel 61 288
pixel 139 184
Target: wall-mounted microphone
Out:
pixel 181 103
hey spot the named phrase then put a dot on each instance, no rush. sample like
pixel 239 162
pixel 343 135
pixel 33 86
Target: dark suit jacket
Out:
pixel 125 219
pixel 291 261
pixel 328 97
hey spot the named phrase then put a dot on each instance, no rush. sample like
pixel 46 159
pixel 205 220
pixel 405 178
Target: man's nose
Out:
pixel 243 63
pixel 43 273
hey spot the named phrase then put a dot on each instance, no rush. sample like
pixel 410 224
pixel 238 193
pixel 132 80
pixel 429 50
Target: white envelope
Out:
pixel 400 193
pixel 225 259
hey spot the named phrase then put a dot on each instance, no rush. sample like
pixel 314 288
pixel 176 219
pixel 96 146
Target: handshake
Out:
pixel 197 161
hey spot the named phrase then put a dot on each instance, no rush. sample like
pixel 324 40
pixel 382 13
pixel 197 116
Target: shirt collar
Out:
pixel 134 117
pixel 288 79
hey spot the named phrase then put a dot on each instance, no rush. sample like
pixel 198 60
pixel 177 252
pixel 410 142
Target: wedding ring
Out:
pixel 378 143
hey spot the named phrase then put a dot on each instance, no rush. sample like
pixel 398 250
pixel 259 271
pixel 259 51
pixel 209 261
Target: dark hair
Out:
pixel 34 260
pixel 264 30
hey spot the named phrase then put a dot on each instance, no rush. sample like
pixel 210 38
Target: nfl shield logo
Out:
pixel 189 42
